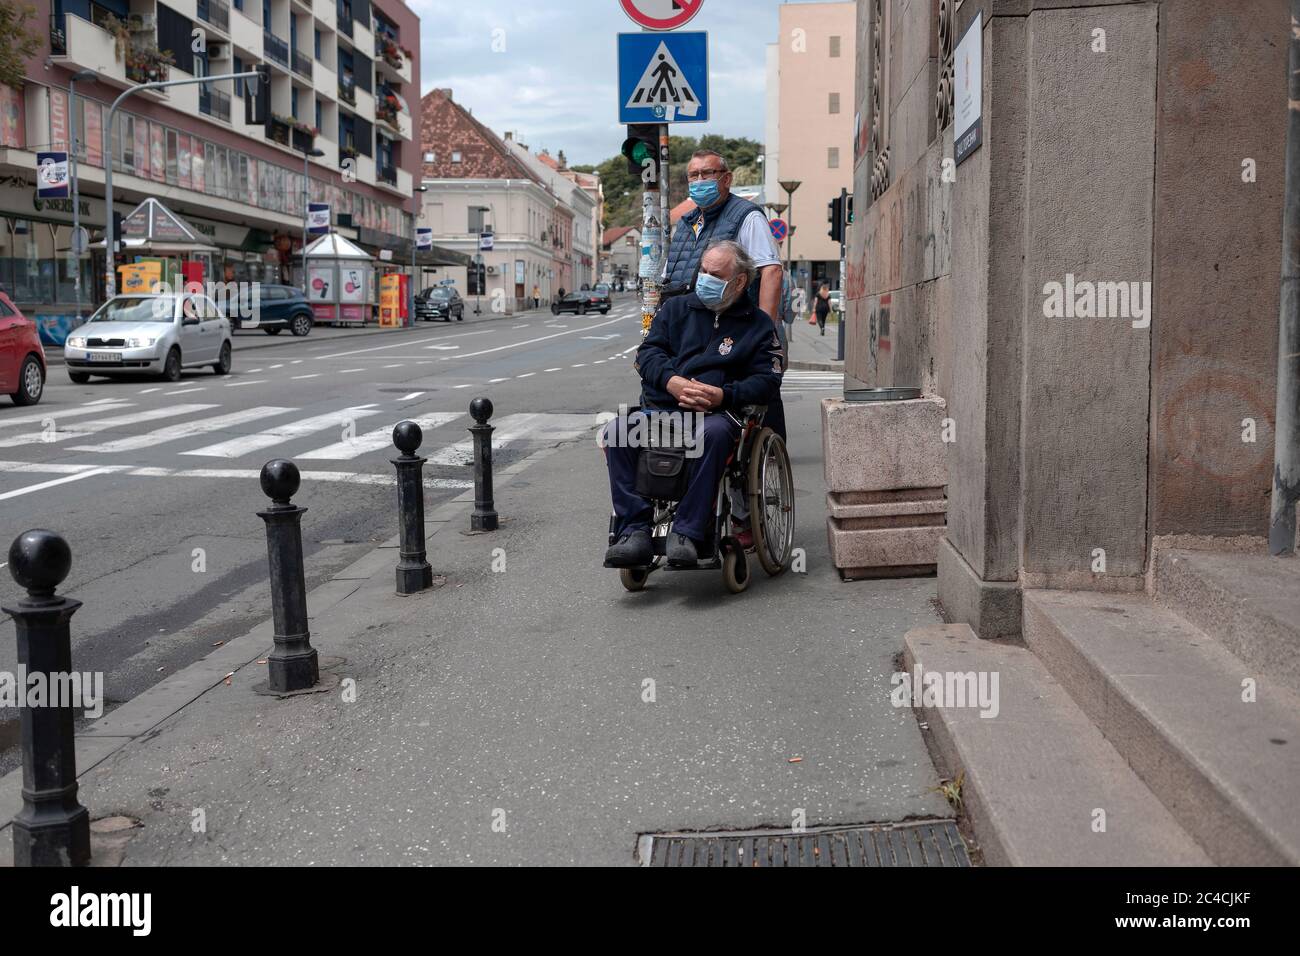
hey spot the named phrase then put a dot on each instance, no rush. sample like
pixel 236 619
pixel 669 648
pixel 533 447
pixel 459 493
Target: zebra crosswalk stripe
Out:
pixel 374 440
pixel 78 429
pixel 186 429
pixel 247 444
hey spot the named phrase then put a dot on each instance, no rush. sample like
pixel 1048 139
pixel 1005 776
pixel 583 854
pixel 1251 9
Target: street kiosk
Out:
pixel 340 281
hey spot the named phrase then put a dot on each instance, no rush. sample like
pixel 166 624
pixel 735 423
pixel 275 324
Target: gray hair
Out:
pixel 701 153
pixel 744 261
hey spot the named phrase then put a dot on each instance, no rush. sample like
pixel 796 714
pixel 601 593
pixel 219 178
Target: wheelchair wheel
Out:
pixel 735 568
pixel 770 486
pixel 633 579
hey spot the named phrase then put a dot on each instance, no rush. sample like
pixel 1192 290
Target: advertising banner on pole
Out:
pixel 318 218
pixel 52 175
pixel 423 238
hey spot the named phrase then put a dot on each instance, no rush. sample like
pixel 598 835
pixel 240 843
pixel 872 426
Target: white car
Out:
pixel 150 334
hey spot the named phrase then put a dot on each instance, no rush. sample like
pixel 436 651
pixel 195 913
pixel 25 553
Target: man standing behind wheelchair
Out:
pixel 711 351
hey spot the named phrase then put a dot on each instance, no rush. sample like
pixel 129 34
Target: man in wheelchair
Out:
pixel 707 356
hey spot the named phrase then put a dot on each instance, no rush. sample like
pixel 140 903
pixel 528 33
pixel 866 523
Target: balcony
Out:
pixel 278 131
pixel 303 141
pixel 275 49
pixel 302 64
pixel 391 60
pixel 79 44
pixel 344 10
pixel 214 103
pixel 215 12
pixel 58 38
pixel 347 155
pixel 386 174
pixel 348 90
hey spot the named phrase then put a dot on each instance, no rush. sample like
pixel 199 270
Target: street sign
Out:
pixel 663 77
pixel 968 72
pixel 661 14
pixel 778 229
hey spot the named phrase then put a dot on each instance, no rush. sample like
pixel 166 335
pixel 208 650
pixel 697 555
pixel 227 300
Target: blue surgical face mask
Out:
pixel 711 290
pixel 704 192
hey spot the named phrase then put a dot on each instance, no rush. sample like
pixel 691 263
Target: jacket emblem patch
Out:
pixel 724 347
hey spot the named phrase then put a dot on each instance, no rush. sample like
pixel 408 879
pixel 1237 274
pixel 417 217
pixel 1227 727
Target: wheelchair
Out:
pixel 759 468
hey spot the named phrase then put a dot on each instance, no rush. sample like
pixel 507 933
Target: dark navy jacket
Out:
pixel 742 355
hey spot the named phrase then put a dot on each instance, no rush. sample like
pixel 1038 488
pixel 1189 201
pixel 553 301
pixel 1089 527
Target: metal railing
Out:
pixel 302 64
pixel 278 132
pixel 216 12
pixel 348 91
pixel 275 48
pixel 58 38
pixel 344 10
pixel 303 142
pixel 387 174
pixel 214 103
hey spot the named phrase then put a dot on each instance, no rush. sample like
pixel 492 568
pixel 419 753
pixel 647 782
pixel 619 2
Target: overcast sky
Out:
pixel 555 83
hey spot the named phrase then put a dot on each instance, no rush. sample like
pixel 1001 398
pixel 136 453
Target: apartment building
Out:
pixel 477 181
pixel 814 93
pixel 342 74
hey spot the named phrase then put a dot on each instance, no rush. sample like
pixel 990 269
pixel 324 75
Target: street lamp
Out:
pixel 306 202
pixel 415 218
pixel 72 160
pixel 790 185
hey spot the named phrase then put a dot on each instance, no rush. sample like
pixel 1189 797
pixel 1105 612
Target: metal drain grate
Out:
pixel 927 843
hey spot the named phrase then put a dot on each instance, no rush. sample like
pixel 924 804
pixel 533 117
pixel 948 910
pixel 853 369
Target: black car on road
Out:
pixel 581 303
pixel 440 302
pixel 277 307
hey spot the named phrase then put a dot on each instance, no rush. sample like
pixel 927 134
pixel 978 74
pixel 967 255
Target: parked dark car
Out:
pixel 440 302
pixel 278 307
pixel 582 302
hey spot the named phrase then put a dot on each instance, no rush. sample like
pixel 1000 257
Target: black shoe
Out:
pixel 632 550
pixel 681 551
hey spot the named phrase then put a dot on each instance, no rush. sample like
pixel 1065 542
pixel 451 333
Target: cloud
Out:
pixel 555 82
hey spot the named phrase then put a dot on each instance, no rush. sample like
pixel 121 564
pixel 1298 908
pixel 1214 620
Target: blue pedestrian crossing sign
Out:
pixel 663 77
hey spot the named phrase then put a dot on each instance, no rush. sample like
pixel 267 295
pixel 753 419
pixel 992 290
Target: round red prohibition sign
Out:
pixel 661 14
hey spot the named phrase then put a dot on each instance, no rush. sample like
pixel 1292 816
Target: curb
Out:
pixel 816 366
pixel 139 716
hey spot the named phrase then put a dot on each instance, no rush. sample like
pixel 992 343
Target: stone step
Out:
pixel 1248 602
pixel 1170 700
pixel 1037 772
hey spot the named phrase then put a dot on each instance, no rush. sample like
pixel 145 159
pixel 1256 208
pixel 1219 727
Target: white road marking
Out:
pixel 252 371
pixel 402 345
pixel 550 370
pixel 62 413
pixel 84 471
pixel 442 348
pixel 375 440
pixel 598 362
pixel 532 426
pixel 296 362
pixel 43 467
pixel 256 381
pixel 398 365
pixel 600 338
pixel 148 390
pixel 87 428
pixel 247 444
pixel 18 492
pixel 407 398
pixel 186 391
pixel 312 375
pixel 281 365
pixel 524 326
pixel 579 365
pixel 466 385
pixel 347 370
pixel 102 401
pixel 526 375
pixel 515 345
pixel 175 432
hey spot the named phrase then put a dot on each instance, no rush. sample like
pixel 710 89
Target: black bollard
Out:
pixel 52 828
pixel 484 517
pixel 413 571
pixel 293 664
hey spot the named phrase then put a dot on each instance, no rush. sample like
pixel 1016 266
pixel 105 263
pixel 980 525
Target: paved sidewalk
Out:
pixel 518 696
pixel 812 351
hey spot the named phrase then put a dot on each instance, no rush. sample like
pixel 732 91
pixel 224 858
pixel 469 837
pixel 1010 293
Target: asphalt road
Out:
pixel 155 485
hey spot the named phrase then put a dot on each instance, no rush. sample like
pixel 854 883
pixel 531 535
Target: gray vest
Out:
pixel 686 249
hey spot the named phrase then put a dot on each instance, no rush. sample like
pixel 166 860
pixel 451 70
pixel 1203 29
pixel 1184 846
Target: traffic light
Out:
pixel 257 97
pixel 839 213
pixel 642 151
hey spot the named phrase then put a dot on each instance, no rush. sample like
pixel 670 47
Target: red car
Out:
pixel 22 359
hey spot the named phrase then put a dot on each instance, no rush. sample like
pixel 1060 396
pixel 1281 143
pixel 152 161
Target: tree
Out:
pixel 21 42
pixel 623 190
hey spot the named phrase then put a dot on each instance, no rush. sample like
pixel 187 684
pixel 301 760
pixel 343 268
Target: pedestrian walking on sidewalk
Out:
pixel 823 306
pixel 537 297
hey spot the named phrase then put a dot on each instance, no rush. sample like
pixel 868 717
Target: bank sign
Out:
pixel 968 79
